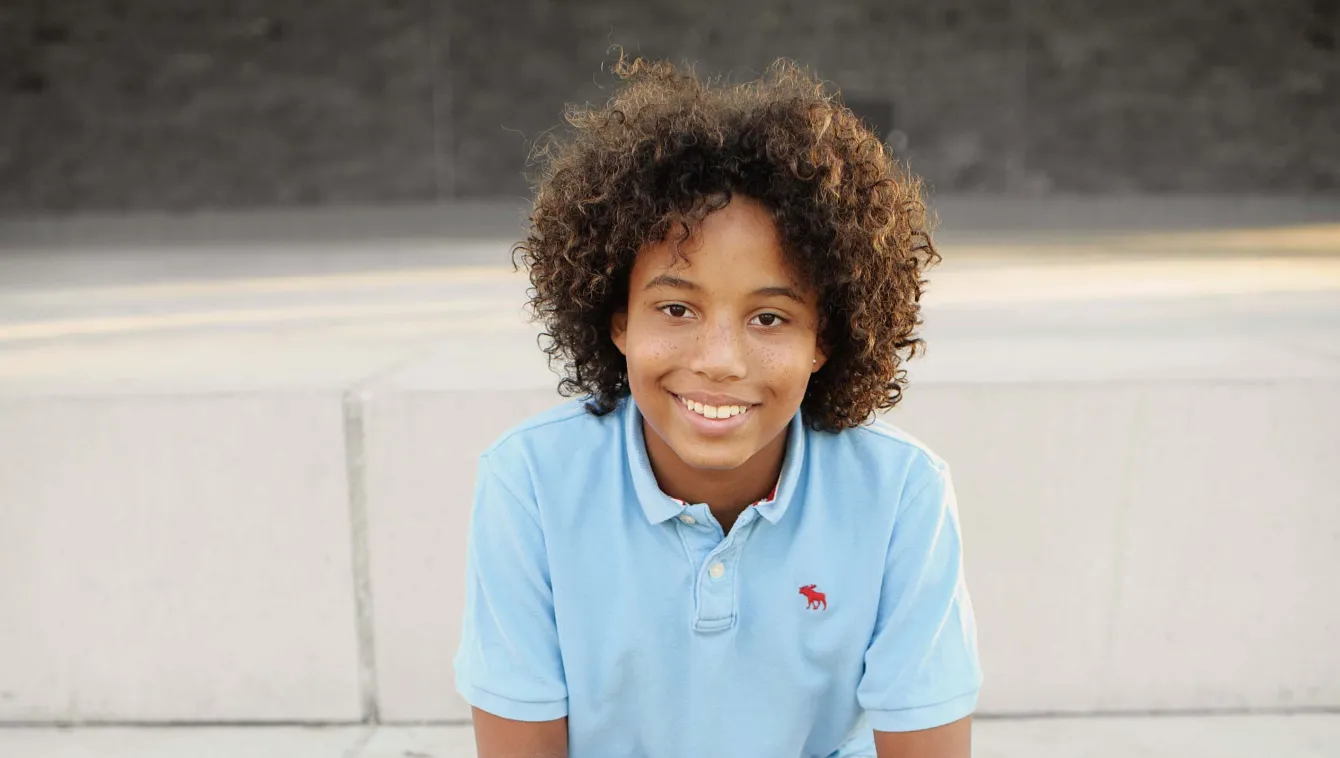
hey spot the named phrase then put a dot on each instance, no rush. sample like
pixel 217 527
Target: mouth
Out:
pixel 713 420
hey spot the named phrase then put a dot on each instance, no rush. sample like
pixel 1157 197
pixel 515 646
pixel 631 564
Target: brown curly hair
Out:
pixel 667 149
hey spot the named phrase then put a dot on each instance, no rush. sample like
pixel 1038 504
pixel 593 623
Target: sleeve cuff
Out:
pixel 516 710
pixel 924 717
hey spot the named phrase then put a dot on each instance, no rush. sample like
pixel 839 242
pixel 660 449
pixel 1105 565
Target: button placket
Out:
pixel 716 582
pixel 695 533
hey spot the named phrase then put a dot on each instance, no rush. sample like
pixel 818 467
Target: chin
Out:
pixel 707 458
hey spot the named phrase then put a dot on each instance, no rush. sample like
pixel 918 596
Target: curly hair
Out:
pixel 667 149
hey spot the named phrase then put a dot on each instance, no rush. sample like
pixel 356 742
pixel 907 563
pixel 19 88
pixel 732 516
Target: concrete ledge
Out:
pixel 175 558
pixel 1151 547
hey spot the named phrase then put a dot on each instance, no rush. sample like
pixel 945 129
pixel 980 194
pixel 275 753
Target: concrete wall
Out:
pixel 176 558
pixel 141 104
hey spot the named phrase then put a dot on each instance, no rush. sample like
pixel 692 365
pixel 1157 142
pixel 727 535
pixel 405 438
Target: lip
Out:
pixel 712 427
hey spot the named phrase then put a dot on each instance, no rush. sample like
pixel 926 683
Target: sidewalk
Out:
pixel 1233 736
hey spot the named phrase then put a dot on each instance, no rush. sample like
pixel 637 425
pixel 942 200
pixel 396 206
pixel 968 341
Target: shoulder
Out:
pixel 882 456
pixel 551 442
pixel 565 418
pixel 879 442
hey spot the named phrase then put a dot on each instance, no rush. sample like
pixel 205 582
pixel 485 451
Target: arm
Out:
pixel 922 674
pixel 953 740
pixel 497 737
pixel 509 666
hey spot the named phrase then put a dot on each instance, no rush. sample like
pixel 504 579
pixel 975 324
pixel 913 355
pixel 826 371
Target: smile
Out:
pixel 716 412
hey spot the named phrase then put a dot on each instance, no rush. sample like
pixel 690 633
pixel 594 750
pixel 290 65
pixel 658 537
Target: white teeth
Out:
pixel 713 411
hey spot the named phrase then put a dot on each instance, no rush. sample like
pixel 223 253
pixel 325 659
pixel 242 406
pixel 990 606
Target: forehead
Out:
pixel 740 241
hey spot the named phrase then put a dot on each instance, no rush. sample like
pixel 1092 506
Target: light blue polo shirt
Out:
pixel 835 607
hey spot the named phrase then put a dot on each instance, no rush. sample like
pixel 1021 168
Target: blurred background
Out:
pixel 258 318
pixel 136 105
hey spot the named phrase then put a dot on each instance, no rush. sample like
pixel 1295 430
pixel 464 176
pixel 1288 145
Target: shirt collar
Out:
pixel 660 507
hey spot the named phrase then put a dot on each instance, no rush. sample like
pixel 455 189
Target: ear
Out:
pixel 619 331
pixel 820 358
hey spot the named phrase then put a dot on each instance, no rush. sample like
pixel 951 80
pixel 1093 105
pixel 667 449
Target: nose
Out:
pixel 720 351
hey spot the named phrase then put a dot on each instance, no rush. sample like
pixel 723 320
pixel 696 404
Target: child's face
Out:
pixel 728 329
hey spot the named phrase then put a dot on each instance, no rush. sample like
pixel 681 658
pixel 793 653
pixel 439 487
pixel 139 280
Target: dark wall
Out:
pixel 162 104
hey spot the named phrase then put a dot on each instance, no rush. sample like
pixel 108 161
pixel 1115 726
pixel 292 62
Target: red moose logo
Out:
pixel 815 598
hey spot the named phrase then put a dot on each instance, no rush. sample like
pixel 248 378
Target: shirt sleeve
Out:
pixel 508 663
pixel 921 669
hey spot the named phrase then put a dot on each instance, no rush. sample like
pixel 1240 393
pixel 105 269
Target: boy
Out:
pixel 715 552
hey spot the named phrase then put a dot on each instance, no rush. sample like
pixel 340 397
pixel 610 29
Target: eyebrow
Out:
pixel 675 282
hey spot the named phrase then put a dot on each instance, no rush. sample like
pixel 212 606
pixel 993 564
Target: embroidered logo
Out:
pixel 815 597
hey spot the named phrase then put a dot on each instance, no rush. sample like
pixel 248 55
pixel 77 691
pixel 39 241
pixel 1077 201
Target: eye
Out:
pixel 674 310
pixel 769 319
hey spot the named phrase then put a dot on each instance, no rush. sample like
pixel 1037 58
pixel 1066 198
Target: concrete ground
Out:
pixel 1236 736
pixel 151 305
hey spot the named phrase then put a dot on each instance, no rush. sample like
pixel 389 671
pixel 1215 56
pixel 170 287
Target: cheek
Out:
pixel 786 368
pixel 651 353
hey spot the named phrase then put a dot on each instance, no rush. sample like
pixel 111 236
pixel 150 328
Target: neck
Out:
pixel 724 491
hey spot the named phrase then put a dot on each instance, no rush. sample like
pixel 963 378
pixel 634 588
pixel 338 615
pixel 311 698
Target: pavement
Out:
pixel 1227 736
pixel 232 303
